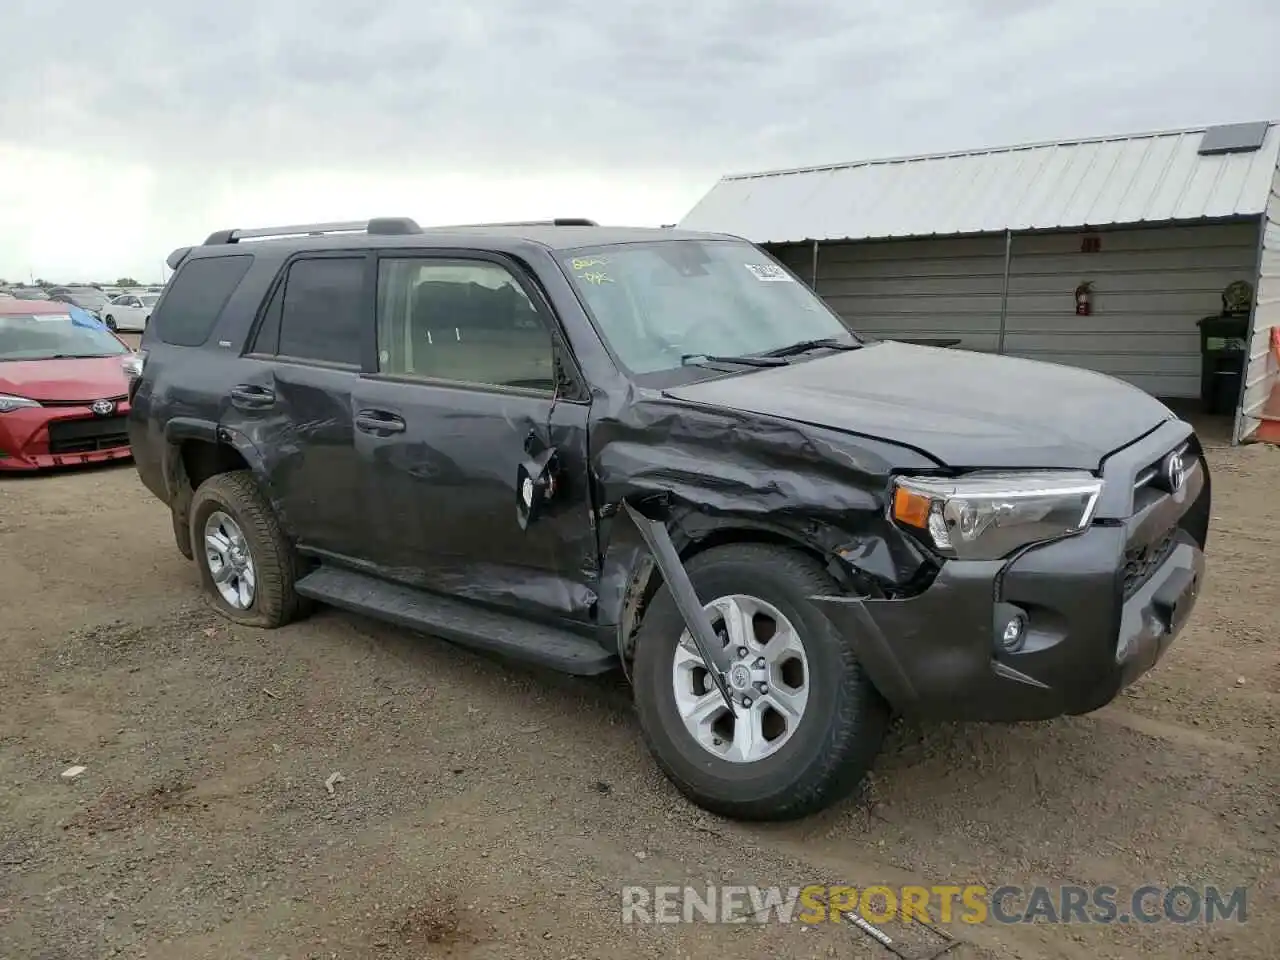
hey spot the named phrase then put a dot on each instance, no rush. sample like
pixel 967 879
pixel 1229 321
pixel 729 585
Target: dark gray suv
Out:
pixel 595 448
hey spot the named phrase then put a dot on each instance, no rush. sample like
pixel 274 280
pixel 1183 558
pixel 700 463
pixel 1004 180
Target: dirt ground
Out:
pixel 486 811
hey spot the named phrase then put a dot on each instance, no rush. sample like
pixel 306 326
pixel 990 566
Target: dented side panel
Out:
pixel 305 441
pixel 721 472
pixel 444 494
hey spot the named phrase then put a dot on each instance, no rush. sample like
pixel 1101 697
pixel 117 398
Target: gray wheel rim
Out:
pixel 768 677
pixel 230 560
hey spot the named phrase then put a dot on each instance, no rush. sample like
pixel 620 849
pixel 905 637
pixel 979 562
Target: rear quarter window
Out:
pixel 196 295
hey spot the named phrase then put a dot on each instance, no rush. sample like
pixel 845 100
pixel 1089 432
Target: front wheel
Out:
pixel 246 563
pixel 807 722
pixel 111 325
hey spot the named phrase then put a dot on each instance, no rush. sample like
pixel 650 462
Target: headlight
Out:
pixel 133 364
pixel 8 403
pixel 987 516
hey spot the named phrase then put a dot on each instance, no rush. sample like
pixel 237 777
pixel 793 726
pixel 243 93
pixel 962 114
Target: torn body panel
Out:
pixel 713 652
pixel 931 633
pixel 723 475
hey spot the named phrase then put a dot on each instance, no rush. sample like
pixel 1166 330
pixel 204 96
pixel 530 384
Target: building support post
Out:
pixel 815 266
pixel 1004 290
pixel 1237 425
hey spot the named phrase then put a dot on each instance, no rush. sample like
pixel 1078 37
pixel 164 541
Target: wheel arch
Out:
pixel 646 578
pixel 196 451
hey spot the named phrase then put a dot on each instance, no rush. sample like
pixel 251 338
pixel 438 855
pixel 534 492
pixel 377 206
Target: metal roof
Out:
pixel 1136 179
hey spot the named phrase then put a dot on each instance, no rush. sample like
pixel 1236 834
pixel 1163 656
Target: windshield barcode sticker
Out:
pixel 769 273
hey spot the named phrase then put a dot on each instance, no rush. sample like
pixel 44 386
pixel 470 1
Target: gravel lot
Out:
pixel 490 811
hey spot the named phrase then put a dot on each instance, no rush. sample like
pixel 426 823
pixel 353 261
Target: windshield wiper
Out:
pixel 80 356
pixel 804 346
pixel 746 361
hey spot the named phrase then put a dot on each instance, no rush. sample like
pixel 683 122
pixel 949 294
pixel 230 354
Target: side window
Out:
pixel 267 339
pixel 323 310
pixel 459 320
pixel 195 297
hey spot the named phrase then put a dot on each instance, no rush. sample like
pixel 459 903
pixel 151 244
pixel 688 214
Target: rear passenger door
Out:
pixel 294 392
pixel 471 374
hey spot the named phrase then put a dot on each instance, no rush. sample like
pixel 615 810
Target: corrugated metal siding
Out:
pixel 1262 378
pixel 1155 178
pixel 1150 288
pixel 912 288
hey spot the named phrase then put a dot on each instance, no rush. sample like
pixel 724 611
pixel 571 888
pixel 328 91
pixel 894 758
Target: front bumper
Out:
pixel 61 435
pixel 1096 622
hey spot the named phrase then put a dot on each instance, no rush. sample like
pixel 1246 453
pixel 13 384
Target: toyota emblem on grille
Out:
pixel 1175 472
pixel 102 407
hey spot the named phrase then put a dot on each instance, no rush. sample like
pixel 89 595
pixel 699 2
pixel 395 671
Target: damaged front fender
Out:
pixel 722 476
pixel 713 652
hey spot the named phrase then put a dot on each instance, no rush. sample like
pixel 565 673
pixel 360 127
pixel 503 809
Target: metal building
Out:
pixel 1101 253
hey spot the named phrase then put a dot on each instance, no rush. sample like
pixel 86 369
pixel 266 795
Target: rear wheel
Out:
pixel 806 723
pixel 246 563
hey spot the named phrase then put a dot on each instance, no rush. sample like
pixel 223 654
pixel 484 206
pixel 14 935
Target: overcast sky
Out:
pixel 129 129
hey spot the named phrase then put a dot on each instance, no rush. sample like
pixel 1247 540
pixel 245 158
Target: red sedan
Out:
pixel 63 394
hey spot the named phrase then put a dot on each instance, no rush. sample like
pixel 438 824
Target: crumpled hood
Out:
pixel 965 409
pixel 86 378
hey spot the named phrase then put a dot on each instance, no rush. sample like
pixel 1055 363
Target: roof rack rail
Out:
pixel 385 226
pixel 557 222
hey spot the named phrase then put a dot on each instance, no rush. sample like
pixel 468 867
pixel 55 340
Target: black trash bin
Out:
pixel 1222 356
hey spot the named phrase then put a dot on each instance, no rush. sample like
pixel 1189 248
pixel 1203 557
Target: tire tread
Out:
pixel 855 732
pixel 276 603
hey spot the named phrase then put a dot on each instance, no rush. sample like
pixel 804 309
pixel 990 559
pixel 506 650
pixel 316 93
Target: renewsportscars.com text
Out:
pixel 969 903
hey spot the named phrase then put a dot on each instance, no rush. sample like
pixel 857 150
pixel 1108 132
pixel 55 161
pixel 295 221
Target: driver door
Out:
pixel 466 391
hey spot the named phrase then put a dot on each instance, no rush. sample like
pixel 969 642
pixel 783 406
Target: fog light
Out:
pixel 1014 634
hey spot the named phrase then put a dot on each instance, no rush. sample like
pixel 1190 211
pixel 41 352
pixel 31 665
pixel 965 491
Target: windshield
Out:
pixel 658 302
pixel 48 335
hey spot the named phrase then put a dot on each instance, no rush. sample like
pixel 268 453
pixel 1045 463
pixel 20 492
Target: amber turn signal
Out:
pixel 911 508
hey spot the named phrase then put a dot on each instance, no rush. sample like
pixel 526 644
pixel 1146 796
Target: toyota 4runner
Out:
pixel 596 448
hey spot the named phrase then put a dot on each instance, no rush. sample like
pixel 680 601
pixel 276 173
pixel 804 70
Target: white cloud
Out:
pixel 128 130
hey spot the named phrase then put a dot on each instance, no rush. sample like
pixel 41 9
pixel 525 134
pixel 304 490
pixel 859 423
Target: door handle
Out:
pixel 249 396
pixel 379 422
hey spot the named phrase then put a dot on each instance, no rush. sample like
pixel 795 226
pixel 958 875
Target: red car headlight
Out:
pixel 9 403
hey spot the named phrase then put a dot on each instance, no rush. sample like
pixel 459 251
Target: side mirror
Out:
pixel 535 486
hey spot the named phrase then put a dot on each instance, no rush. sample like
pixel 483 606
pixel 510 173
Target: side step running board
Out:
pixel 457 621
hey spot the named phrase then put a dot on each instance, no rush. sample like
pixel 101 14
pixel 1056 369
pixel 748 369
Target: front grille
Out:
pixel 88 435
pixel 1151 474
pixel 1141 562
pixel 81 403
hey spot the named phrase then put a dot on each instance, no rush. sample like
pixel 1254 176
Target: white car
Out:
pixel 129 312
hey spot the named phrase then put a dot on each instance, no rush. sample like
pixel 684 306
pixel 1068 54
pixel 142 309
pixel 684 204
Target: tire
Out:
pixel 236 495
pixel 841 728
pixel 111 324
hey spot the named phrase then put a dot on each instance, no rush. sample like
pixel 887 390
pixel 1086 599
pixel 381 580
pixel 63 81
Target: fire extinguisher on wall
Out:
pixel 1084 299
